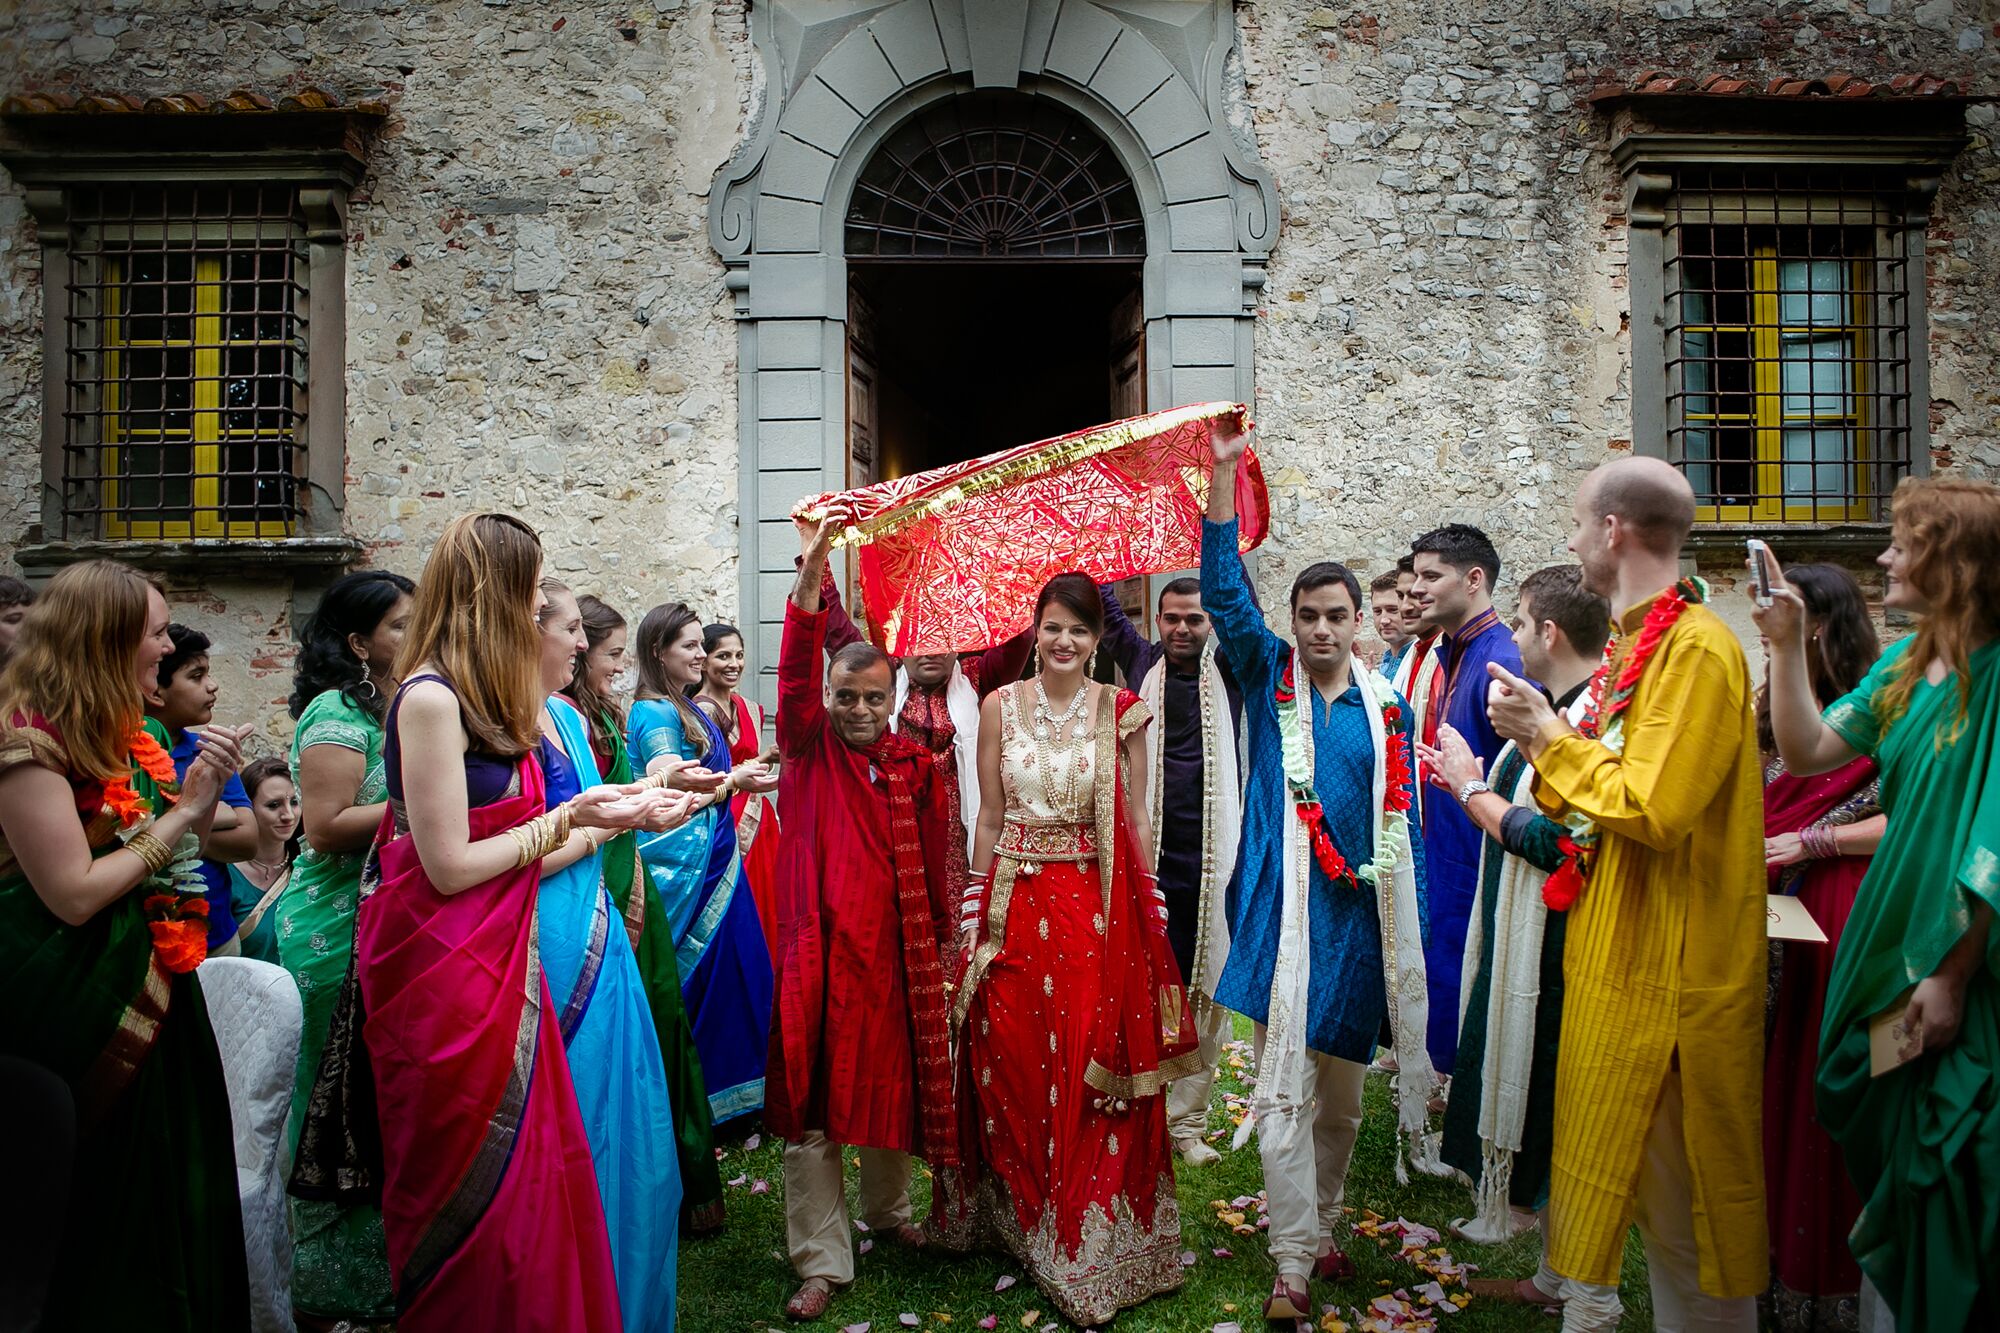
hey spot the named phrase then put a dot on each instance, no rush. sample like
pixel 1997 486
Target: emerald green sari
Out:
pixel 340 1266
pixel 701 1179
pixel 153 1234
pixel 1922 1142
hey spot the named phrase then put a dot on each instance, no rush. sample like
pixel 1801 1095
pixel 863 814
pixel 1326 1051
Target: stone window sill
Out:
pixel 211 558
pixel 1791 540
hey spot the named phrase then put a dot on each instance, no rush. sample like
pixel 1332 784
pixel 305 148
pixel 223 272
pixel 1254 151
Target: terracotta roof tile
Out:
pixel 240 101
pixel 1612 86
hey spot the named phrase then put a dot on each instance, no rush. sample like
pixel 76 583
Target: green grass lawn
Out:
pixel 740 1279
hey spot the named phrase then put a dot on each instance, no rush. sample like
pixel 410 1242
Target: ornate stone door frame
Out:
pixel 1153 77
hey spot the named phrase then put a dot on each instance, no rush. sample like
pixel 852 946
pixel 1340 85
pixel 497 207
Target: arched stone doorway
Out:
pixel 915 156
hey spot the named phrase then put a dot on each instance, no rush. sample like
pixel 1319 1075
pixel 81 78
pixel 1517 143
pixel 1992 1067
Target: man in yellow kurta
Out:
pixel 1659 1080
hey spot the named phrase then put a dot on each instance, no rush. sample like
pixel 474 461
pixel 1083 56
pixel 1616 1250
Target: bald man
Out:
pixel 1664 964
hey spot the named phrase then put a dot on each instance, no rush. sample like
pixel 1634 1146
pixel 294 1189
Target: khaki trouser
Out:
pixel 1305 1183
pixel 1664 1210
pixel 1187 1098
pixel 817 1230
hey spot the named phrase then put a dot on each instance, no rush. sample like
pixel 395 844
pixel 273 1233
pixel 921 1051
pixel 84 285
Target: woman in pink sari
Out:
pixel 490 1206
pixel 1818 834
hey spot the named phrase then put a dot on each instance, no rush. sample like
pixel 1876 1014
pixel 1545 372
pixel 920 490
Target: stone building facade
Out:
pixel 648 272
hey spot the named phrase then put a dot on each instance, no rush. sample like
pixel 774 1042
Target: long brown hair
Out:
pixel 1840 650
pixel 663 625
pixel 1950 529
pixel 73 663
pixel 600 712
pixel 474 619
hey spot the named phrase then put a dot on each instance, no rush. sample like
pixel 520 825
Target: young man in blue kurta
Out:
pixel 1347 1002
pixel 1456 568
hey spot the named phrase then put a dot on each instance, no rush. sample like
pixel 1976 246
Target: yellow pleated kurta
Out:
pixel 1665 955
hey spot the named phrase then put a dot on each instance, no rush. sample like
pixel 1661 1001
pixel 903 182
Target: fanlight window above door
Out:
pixel 994 177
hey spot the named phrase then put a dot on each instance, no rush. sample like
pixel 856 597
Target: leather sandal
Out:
pixel 1288 1303
pixel 810 1301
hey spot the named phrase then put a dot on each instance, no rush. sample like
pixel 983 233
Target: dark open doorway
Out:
pixel 970 358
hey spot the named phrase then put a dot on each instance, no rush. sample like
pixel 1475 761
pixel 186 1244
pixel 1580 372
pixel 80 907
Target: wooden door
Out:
pixel 864 421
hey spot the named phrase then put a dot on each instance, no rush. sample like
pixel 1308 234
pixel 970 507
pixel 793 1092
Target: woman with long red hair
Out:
pixel 490 1205
pixel 102 923
pixel 1921 1139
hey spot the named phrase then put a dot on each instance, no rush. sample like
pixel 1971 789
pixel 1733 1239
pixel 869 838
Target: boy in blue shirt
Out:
pixel 185 699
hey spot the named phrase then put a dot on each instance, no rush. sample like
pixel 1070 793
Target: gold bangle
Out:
pixel 152 852
pixel 528 837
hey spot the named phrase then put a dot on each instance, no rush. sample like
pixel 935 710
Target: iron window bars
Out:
pixel 1788 341
pixel 185 396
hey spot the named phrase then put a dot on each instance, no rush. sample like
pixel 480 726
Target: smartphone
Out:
pixel 1760 570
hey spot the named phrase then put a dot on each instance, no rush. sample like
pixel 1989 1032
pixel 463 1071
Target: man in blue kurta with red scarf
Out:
pixel 1456 569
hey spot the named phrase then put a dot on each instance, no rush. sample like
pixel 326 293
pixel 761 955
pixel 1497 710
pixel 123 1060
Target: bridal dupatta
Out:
pixel 489 1200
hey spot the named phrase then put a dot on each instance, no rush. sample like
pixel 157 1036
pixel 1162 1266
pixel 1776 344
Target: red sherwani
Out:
pixel 843 1051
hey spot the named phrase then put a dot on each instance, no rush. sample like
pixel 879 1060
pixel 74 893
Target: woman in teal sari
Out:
pixel 1921 1140
pixel 593 691
pixel 725 966
pixel 607 1028
pixel 102 923
pixel 343 683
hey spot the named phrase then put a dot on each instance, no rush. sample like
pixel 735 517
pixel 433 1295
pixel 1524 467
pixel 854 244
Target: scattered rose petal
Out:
pixel 865 1246
pixel 753 1143
pixel 1431 1292
pixel 908 1320
pixel 1028 1319
pixel 1187 1258
pixel 860 1225
pixel 857 1328
pixel 1222 1254
pixel 1231 1327
pixel 990 1321
pixel 739 1182
pixel 760 1187
pixel 1006 1280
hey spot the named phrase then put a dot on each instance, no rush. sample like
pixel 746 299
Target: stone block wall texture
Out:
pixel 536 321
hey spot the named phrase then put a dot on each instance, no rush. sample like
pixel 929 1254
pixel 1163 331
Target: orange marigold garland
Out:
pixel 177 918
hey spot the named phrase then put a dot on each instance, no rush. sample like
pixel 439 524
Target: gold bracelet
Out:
pixel 529 837
pixel 153 853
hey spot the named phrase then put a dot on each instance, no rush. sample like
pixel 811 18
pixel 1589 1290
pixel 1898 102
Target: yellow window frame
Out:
pixel 207 434
pixel 1767 416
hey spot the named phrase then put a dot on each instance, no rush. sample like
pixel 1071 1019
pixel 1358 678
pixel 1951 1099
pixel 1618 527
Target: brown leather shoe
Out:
pixel 906 1234
pixel 810 1300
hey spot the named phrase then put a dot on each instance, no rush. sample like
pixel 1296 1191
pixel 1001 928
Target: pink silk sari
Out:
pixel 489 1203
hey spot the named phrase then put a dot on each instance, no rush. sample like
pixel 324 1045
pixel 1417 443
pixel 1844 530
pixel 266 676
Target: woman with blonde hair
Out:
pixel 1921 1140
pixel 102 923
pixel 490 1204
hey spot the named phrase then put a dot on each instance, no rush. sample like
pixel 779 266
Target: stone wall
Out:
pixel 536 321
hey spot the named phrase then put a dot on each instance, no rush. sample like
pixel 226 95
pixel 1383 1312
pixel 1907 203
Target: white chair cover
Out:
pixel 255 1011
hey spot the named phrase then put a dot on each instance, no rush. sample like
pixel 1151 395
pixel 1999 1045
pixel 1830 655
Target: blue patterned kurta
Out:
pixel 1347 1005
pixel 1455 841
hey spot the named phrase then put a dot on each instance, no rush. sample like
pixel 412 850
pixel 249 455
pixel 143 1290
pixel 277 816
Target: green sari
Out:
pixel 340 1268
pixel 701 1178
pixel 1922 1142
pixel 153 1234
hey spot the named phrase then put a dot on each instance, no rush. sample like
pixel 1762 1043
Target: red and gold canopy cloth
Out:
pixel 952 559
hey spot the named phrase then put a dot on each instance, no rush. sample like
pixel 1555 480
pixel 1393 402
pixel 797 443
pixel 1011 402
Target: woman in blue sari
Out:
pixel 724 964
pixel 607 1026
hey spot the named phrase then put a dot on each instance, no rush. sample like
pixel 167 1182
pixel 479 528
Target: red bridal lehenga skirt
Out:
pixel 1083 1193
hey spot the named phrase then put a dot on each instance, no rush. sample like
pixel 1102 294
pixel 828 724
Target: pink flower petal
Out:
pixel 760 1187
pixel 1231 1327
pixel 857 1328
pixel 990 1321
pixel 1187 1258
pixel 908 1320
pixel 1006 1280
pixel 860 1225
pixel 1222 1254
pixel 739 1182
pixel 865 1246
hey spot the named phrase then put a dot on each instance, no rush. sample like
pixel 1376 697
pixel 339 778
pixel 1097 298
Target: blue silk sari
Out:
pixel 614 1058
pixel 724 964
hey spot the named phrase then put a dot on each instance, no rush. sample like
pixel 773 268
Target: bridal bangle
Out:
pixel 151 851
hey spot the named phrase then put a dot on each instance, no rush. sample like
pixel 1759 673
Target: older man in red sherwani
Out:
pixel 867 897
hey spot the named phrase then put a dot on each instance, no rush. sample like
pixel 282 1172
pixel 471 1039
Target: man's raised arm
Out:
pixel 801 705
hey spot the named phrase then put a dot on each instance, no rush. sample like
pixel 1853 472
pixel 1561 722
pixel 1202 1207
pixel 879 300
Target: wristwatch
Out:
pixel 1471 789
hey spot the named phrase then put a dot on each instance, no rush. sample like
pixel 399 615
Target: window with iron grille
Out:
pixel 185 390
pixel 1788 344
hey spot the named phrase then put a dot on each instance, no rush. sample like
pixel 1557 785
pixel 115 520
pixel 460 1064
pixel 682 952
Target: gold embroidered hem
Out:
pixel 1118 1261
pixel 1149 1084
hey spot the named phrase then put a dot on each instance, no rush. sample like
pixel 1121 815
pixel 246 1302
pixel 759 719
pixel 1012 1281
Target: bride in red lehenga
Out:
pixel 1071 1017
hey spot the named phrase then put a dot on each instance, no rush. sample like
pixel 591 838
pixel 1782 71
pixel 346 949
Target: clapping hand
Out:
pixel 219 753
pixel 1516 708
pixel 1452 763
pixel 754 775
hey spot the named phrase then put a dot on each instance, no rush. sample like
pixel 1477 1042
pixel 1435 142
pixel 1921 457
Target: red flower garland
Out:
pixel 179 924
pixel 151 758
pixel 1562 888
pixel 1396 793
